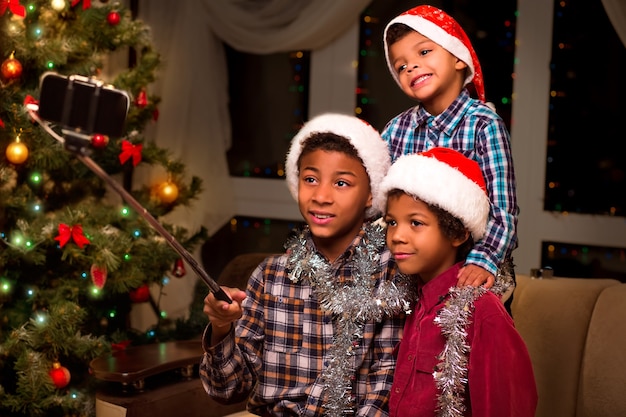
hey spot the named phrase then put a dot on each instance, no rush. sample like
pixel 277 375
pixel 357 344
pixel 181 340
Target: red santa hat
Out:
pixel 372 150
pixel 447 179
pixel 441 28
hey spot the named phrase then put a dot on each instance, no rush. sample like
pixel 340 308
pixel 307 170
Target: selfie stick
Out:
pixel 76 143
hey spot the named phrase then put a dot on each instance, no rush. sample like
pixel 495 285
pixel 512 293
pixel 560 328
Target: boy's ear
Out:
pixel 370 201
pixel 459 241
pixel 460 65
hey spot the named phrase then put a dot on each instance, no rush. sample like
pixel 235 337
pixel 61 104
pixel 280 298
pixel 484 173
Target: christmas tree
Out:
pixel 73 255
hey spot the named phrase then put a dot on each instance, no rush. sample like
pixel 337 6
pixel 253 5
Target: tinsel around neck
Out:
pixel 368 296
pixel 451 373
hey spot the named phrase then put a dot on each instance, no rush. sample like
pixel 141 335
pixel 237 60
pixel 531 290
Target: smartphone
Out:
pixel 82 104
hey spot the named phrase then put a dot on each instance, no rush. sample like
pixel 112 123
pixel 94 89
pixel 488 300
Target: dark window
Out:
pixel 245 235
pixel 268 104
pixel 585 170
pixel 584 261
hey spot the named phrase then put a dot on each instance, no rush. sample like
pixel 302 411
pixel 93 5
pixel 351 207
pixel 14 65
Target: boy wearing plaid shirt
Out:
pixel 432 59
pixel 315 330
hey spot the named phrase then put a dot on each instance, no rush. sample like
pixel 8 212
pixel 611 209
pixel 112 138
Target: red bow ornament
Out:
pixel 86 3
pixel 120 345
pixel 14 6
pixel 74 232
pixel 129 150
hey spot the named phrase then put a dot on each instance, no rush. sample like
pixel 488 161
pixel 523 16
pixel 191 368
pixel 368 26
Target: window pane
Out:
pixel 245 235
pixel 585 171
pixel 268 104
pixel 584 261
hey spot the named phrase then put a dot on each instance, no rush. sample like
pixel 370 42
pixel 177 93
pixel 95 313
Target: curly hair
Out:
pixel 397 31
pixel 451 227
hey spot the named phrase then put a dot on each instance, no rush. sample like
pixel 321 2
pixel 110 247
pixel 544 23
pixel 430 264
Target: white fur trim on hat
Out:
pixel 366 140
pixel 440 184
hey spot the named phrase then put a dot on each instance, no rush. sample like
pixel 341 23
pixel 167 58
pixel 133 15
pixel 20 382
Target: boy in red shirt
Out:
pixel 437 206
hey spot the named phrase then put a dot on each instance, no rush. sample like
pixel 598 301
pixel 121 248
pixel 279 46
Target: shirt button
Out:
pixel 410 357
pixel 397 390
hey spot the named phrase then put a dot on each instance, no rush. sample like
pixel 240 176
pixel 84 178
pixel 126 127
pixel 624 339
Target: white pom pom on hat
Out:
pixel 445 178
pixel 372 150
pixel 441 28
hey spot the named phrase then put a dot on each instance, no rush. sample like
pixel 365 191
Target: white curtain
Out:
pixel 616 11
pixel 268 26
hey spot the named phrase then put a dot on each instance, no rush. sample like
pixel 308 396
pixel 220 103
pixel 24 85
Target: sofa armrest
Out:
pixel 553 315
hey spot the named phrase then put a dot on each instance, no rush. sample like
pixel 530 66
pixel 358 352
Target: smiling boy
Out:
pixel 432 60
pixel 314 332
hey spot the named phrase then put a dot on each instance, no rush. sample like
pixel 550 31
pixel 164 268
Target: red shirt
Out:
pixel 501 382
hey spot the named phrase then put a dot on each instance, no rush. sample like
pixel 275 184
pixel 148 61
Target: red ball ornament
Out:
pixel 140 295
pixel 99 141
pixel 113 18
pixel 60 375
pixel 11 68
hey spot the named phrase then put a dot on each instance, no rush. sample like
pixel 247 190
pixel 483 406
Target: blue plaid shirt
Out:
pixel 279 347
pixel 475 130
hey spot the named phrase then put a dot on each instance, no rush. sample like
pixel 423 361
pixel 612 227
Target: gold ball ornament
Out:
pixel 17 152
pixel 168 192
pixel 11 68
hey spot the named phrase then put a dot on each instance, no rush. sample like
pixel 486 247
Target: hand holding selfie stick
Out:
pixel 78 143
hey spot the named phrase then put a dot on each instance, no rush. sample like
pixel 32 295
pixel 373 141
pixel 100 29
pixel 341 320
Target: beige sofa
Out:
pixel 575 330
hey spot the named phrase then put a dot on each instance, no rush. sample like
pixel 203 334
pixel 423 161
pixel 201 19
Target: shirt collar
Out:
pixel 450 118
pixel 436 290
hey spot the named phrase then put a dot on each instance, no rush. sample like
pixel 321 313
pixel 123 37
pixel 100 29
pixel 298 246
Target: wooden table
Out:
pixel 131 367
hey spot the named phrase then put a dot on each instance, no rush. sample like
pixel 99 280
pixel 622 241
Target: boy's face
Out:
pixel 333 194
pixel 427 72
pixel 415 239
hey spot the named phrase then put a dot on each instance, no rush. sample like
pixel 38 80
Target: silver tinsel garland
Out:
pixel 352 304
pixel 454 318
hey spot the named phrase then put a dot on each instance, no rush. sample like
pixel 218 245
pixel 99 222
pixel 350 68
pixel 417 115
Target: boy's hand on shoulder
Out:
pixel 475 276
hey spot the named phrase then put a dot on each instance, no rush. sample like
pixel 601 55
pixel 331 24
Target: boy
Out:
pixel 432 60
pixel 315 330
pixel 437 206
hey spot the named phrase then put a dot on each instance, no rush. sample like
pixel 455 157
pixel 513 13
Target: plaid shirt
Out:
pixel 473 129
pixel 279 347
